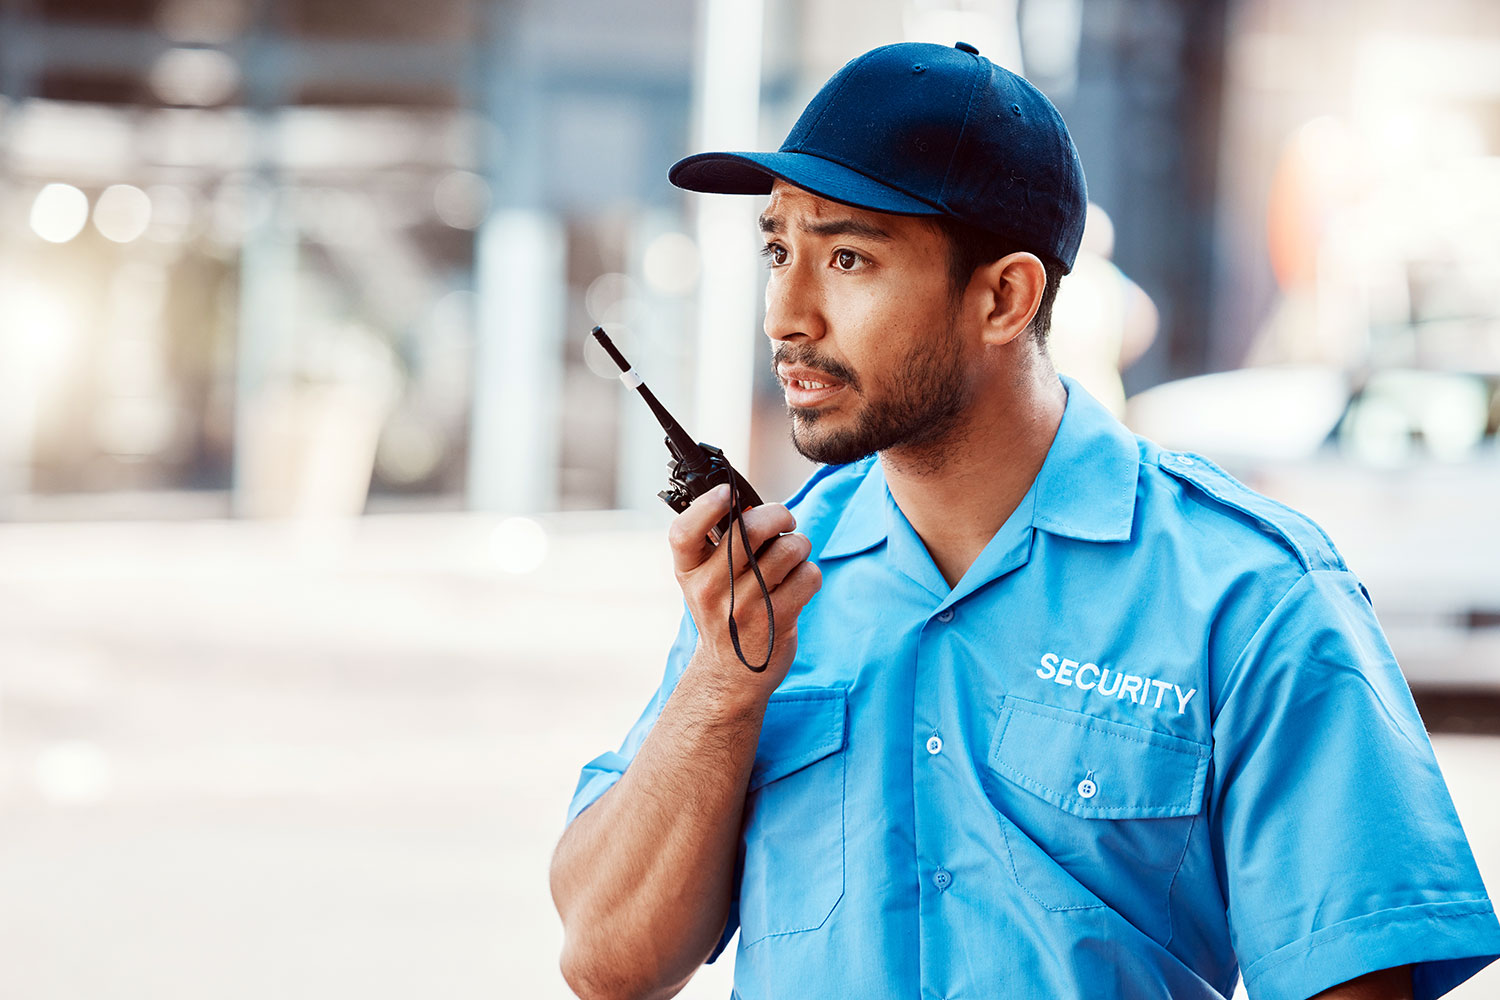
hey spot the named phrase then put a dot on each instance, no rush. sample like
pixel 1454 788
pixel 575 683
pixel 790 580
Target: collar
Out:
pixel 863 523
pixel 1085 489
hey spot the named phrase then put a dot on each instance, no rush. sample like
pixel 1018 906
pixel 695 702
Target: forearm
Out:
pixel 643 878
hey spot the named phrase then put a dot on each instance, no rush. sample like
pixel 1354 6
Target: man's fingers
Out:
pixel 781 556
pixel 796 583
pixel 799 586
pixel 789 578
pixel 688 535
pixel 762 524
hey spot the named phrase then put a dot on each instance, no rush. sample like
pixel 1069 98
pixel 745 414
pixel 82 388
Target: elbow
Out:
pixel 591 975
pixel 606 955
pixel 580 978
pixel 594 973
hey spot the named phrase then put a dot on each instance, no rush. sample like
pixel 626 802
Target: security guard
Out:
pixel 1050 712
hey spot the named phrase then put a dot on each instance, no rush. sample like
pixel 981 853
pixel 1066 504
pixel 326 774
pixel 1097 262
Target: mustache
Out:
pixel 788 355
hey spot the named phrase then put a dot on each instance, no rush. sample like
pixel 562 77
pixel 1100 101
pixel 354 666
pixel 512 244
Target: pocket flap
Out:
pixel 800 727
pixel 1096 768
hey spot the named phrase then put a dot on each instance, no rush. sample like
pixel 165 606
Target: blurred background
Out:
pixel 329 547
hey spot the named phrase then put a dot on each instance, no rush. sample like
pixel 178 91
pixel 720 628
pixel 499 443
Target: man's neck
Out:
pixel 958 502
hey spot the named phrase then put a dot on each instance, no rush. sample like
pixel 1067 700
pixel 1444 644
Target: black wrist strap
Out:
pixel 734 632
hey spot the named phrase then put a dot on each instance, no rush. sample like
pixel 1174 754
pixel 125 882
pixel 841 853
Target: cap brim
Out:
pixel 755 173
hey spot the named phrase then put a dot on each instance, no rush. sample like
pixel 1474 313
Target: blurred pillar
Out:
pixel 1146 117
pixel 727 98
pixel 17 385
pixel 521 282
pixel 266 325
pixel 268 262
pixel 518 366
pixel 19 63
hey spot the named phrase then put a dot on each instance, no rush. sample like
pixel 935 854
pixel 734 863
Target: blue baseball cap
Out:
pixel 922 129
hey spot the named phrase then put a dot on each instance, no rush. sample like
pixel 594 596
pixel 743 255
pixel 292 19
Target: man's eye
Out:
pixel 847 260
pixel 775 253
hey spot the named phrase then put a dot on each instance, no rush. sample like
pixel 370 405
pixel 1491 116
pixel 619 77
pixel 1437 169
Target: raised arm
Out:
pixel 643 878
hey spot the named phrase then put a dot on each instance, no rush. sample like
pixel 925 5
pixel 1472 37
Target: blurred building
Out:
pixel 318 256
pixel 247 247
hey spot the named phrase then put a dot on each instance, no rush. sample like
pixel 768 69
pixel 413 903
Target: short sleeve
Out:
pixel 1338 847
pixel 600 774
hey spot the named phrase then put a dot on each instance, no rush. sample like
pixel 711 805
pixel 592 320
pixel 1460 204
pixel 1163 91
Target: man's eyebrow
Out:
pixel 830 227
pixel 847 227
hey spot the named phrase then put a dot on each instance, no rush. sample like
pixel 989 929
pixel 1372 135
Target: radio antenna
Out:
pixel 694 457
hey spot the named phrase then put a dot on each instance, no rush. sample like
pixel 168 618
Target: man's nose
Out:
pixel 794 307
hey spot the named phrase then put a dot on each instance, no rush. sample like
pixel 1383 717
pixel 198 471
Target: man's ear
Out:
pixel 1013 287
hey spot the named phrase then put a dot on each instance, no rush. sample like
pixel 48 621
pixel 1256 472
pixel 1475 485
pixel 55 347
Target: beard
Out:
pixel 917 409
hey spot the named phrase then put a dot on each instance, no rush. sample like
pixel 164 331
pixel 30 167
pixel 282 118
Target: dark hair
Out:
pixel 970 248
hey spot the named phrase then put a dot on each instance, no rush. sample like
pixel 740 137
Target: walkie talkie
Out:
pixel 694 469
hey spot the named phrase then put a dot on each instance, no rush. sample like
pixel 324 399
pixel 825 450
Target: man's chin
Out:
pixel 827 448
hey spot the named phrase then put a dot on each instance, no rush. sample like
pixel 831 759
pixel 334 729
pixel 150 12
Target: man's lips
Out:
pixel 807 386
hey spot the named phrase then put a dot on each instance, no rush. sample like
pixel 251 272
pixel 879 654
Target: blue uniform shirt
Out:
pixel 1153 738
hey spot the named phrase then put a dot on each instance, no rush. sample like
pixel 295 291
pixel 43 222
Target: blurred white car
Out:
pixel 1402 471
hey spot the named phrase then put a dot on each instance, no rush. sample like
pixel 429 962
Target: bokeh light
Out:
pixel 122 213
pixel 411 446
pixel 518 545
pixel 171 213
pixel 462 199
pixel 610 298
pixel 72 772
pixel 59 213
pixel 671 264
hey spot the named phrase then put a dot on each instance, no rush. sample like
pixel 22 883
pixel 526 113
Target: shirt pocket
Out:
pixel 1099 812
pixel 793 874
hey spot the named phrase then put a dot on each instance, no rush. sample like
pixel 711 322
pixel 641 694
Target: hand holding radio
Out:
pixel 782 562
pixel 702 484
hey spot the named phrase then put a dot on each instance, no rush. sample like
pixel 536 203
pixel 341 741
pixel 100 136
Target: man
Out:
pixel 1049 712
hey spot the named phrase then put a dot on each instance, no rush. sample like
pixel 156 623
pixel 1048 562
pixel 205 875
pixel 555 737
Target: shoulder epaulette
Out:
pixel 1308 542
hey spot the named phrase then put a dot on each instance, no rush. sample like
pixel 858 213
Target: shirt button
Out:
pixel 1087 789
pixel 934 744
pixel 1184 460
pixel 942 879
pixel 945 615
